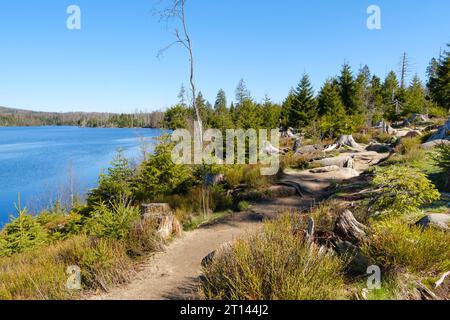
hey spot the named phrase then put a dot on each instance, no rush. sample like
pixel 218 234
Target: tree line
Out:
pixel 343 104
pixel 17 117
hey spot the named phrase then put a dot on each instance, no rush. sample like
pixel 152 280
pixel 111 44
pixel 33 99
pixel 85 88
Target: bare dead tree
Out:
pixel 176 11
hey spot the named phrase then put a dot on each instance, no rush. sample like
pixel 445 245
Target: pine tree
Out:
pixel 362 84
pixel 390 92
pixel 415 101
pixel 439 83
pixel 347 89
pixel 242 93
pixel 222 119
pixel 271 114
pixel 303 110
pixel 375 106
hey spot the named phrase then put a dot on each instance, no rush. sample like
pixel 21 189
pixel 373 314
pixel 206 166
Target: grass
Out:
pixel 197 221
pixel 276 264
pixel 394 244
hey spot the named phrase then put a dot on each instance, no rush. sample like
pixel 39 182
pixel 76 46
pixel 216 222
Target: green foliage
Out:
pixel 243 206
pixel 22 234
pixel 158 175
pixel 303 108
pixel 274 265
pixel 113 220
pixel 439 79
pixel 442 158
pixel 116 183
pixel 402 190
pixel 394 244
pixel 176 117
pixel 415 101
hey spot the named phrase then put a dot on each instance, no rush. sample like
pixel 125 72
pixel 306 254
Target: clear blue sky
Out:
pixel 111 63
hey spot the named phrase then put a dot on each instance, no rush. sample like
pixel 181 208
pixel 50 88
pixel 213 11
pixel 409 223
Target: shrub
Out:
pixel 274 265
pixel 234 175
pixel 113 221
pixel 159 176
pixel 253 178
pixel 394 244
pixel 243 206
pixel 34 275
pixel 402 190
pixel 442 158
pixel 143 238
pixel 23 233
pixel 410 149
pixel 116 183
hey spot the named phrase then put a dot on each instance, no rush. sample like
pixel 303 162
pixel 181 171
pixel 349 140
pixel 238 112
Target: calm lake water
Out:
pixel 41 162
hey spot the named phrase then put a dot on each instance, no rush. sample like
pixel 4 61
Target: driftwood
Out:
pixel 349 229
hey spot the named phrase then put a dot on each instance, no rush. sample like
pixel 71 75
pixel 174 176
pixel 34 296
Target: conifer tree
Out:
pixel 347 89
pixel 303 109
pixel 439 83
pixel 415 101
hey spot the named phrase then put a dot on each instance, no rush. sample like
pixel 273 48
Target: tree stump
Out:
pixel 167 224
pixel 349 229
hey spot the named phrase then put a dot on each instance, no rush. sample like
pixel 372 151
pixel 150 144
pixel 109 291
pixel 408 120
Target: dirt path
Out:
pixel 173 274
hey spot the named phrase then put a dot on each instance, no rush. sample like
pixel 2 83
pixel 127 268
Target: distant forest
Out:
pixel 16 117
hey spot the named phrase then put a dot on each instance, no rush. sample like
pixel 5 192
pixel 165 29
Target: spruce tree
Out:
pixel 222 119
pixel 439 82
pixel 303 110
pixel 415 101
pixel 347 89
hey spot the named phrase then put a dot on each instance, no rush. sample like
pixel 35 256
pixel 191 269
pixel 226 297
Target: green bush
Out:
pixel 402 190
pixel 442 158
pixel 243 206
pixel 159 176
pixel 112 221
pixel 394 244
pixel 276 264
pixel 22 234
pixel 116 183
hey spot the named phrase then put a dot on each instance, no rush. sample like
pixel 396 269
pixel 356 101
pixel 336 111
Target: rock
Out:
pixel 309 149
pixel 441 221
pixel 297 144
pixel 282 191
pixel 434 143
pixel 206 261
pixel 213 179
pixel 384 127
pixel 413 134
pixel 415 118
pixel 325 169
pixel 341 162
pixel 379 148
pixel 442 134
pixel 349 229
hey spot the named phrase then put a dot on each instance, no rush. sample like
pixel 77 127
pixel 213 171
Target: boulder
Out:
pixel 297 144
pixel 413 134
pixel 434 143
pixel 309 149
pixel 441 221
pixel 379 148
pixel 442 134
pixel 415 118
pixel 384 127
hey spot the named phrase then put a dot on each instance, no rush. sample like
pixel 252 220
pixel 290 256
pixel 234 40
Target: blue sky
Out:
pixel 111 64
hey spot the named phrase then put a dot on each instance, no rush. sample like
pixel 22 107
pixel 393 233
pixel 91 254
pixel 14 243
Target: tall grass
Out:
pixel 276 264
pixel 393 244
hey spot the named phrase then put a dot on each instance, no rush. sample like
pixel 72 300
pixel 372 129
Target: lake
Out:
pixel 43 162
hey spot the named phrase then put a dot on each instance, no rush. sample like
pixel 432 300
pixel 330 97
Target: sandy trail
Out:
pixel 173 274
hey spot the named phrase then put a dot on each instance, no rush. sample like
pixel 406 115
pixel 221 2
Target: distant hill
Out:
pixel 10 117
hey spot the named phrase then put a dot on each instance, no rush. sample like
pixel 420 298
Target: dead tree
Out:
pixel 176 11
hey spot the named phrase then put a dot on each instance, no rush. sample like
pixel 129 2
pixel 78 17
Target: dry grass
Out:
pixel 276 264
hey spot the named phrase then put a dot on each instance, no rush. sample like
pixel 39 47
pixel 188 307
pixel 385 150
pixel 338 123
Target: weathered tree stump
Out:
pixel 344 141
pixel 167 224
pixel 349 229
